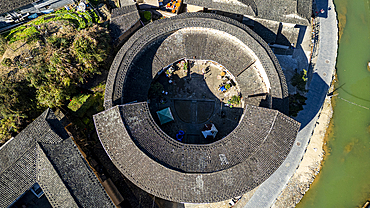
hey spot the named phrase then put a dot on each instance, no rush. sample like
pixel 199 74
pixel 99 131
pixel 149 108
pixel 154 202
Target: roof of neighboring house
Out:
pixel 9 5
pixel 44 153
pixel 290 11
pixel 123 19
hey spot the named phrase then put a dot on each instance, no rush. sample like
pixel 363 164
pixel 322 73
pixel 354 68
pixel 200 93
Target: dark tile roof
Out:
pixel 51 183
pixel 195 173
pixel 165 41
pixel 290 11
pixel 18 177
pixel 9 5
pixel 123 19
pixel 197 158
pixel 43 153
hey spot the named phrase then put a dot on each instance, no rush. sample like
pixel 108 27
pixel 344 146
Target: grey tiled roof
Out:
pixel 185 172
pixel 9 5
pixel 123 19
pixel 163 42
pixel 51 183
pixel 290 11
pixel 246 138
pixel 195 173
pixel 43 153
pixel 18 177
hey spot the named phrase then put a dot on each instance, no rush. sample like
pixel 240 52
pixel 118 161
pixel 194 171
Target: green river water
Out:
pixel 344 180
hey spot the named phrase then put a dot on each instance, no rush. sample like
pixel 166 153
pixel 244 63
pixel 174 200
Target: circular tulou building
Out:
pixel 166 167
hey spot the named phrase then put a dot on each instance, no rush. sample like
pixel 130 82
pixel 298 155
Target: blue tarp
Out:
pixel 222 88
pixel 33 16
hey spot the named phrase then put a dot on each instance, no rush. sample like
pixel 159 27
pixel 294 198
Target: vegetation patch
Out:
pixel 145 16
pixel 235 100
pixel 3 45
pixel 297 100
pixel 44 63
pixel 77 101
pixel 299 80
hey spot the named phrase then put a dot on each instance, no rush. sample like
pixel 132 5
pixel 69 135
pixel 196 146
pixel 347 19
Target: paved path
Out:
pixel 323 72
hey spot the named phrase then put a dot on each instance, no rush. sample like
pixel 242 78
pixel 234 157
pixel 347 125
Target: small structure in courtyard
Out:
pixel 165 115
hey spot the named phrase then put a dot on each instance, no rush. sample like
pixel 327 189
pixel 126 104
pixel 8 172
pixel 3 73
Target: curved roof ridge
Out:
pixel 290 11
pixel 131 50
pixel 149 174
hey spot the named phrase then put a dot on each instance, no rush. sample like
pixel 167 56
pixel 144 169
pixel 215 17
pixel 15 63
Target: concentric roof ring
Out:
pixel 186 172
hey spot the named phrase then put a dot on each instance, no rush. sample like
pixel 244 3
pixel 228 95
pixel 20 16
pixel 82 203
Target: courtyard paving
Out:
pixel 194 98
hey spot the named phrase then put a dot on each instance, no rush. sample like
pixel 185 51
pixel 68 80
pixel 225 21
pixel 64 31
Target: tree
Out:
pixel 3 45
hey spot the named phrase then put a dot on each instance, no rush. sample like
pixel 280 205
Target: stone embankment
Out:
pixel 311 162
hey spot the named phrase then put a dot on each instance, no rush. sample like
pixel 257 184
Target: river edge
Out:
pixel 312 160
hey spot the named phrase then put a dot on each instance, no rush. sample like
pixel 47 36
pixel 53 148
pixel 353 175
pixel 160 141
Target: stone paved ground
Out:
pixel 311 163
pixel 195 100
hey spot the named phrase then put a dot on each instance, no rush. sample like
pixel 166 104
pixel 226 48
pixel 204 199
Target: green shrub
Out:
pixel 299 80
pixel 62 10
pixel 99 88
pixel 29 34
pixel 186 66
pixel 6 62
pixel 7 127
pixel 235 100
pixel 87 16
pixel 88 53
pixel 77 101
pixel 155 89
pixel 81 104
pixel 94 16
pixel 146 16
pixel 3 45
pixel 51 95
pixel 13 31
pixel 58 41
pixel 296 103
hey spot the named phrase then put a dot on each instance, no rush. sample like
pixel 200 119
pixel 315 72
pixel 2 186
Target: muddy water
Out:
pixel 344 180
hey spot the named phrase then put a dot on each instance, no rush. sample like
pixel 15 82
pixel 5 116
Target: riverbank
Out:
pixel 344 180
pixel 310 165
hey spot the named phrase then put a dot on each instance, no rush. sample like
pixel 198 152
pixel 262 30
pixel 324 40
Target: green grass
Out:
pixel 77 101
pixel 29 31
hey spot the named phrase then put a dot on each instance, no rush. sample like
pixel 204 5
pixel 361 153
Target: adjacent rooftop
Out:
pixel 45 154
